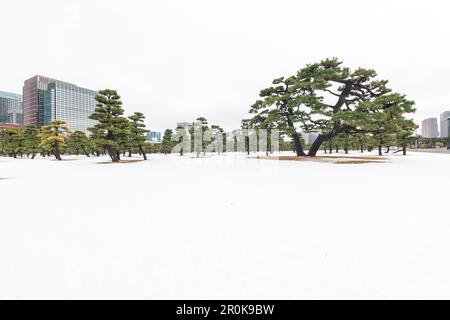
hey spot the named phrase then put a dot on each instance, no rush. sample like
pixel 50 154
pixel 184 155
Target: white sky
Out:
pixel 177 60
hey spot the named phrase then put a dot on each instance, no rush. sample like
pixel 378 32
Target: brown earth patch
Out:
pixel 328 159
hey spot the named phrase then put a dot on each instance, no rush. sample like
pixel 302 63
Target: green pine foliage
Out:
pixel 113 129
pixel 32 141
pixel 331 99
pixel 12 141
pixel 78 143
pixel 138 133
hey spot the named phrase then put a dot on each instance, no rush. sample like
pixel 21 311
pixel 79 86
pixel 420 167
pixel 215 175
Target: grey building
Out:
pixel 11 108
pixel 47 99
pixel 430 128
pixel 445 124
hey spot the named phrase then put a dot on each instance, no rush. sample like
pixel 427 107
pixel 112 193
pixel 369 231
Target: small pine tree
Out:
pixel 12 141
pixel 53 137
pixel 78 141
pixel 167 144
pixel 32 141
pixel 138 132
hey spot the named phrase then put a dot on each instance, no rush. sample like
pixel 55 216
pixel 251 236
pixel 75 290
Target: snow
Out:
pixel 224 227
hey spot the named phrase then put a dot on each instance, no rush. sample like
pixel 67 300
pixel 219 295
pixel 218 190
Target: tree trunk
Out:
pixel 129 154
pixel 362 149
pixel 297 142
pixel 316 146
pixel 331 149
pixel 298 145
pixel 112 154
pixel 346 150
pixel 57 153
pixel 404 149
pixel 380 146
pixel 85 152
pixel 388 149
pixel 337 149
pixel 34 155
pixel 143 153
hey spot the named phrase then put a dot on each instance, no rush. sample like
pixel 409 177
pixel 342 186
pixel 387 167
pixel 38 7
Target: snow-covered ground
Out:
pixel 225 227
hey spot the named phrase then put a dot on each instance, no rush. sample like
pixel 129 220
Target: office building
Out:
pixel 445 124
pixel 430 128
pixel 153 136
pixel 46 99
pixel 11 109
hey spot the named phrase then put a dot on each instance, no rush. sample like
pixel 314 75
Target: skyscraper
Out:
pixel 46 99
pixel 11 108
pixel 430 128
pixel 445 124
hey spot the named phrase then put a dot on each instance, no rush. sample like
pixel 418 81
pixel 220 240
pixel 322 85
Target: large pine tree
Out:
pixel 112 128
pixel 328 98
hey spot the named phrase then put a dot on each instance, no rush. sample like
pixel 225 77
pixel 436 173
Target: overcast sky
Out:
pixel 177 60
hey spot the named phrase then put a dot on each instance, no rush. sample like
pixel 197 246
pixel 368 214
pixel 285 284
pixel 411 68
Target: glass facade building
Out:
pixel 11 108
pixel 47 99
pixel 154 136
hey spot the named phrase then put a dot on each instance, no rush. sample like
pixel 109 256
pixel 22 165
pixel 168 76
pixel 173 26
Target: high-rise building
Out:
pixel 46 99
pixel 11 108
pixel 430 128
pixel 154 136
pixel 445 124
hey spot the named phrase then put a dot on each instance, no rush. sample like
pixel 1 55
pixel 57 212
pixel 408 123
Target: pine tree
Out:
pixel 167 143
pixel 53 137
pixel 12 141
pixel 31 141
pixel 138 133
pixel 112 128
pixel 78 141
pixel 328 98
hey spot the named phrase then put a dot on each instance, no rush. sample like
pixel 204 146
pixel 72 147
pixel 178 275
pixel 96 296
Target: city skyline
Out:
pixel 180 60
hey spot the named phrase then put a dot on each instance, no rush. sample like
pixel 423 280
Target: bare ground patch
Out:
pixel 328 159
pixel 121 161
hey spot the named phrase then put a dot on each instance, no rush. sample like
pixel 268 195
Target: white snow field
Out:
pixel 225 227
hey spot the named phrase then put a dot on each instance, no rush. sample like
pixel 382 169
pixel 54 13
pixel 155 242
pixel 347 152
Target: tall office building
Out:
pixel 430 128
pixel 46 99
pixel 11 108
pixel 445 124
